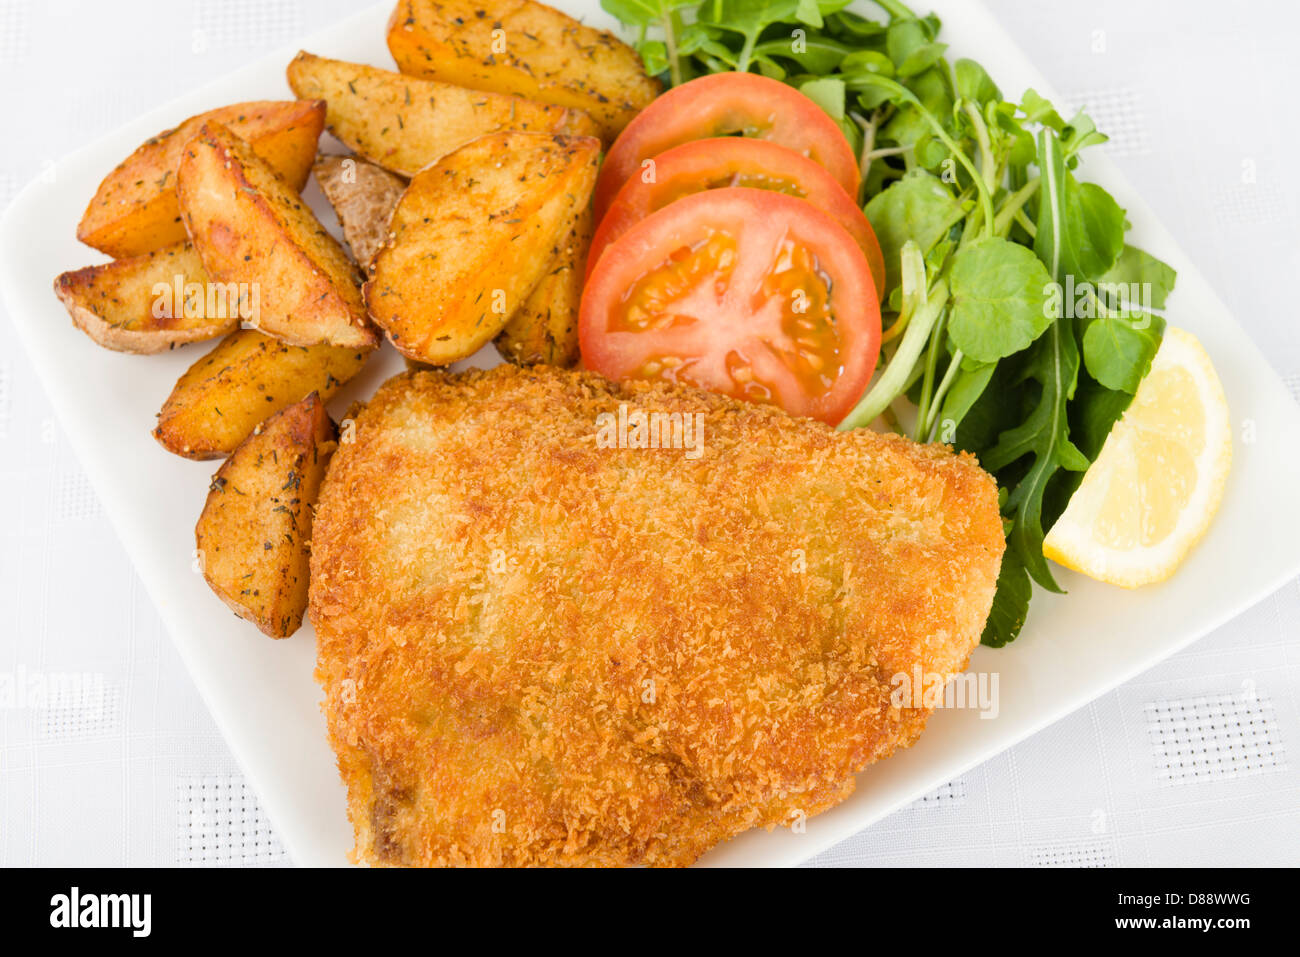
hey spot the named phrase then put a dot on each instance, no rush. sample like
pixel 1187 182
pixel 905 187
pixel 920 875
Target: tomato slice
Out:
pixel 746 292
pixel 722 104
pixel 725 161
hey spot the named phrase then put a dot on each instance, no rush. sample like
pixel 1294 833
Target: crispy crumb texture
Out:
pixel 539 650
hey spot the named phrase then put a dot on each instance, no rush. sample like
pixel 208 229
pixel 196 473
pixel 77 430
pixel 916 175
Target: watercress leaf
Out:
pixel 908 125
pixel 921 59
pixel 637 13
pixel 999 299
pixel 748 17
pixel 1140 272
pixel 716 50
pixel 1010 602
pixel 1095 226
pixel 973 83
pixel 1117 351
pixel 1079 133
pixel 809 12
pixel 845 23
pixel 1039 110
pixel 1007 133
pixel 918 207
pixel 969 385
pixel 852 132
pixel 1022 150
pixel 1002 115
pixel 692 38
pixel 904 38
pixel 937 255
pixel 654 54
pixel 815 55
pixel 930 152
pixel 828 93
pixel 873 97
pixel 867 61
pixel 910 44
pixel 894 300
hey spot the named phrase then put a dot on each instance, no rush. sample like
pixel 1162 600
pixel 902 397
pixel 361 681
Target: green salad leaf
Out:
pixel 1134 268
pixel 1093 236
pixel 1018 319
pixel 999 293
pixel 919 208
pixel 1010 602
pixel 1118 350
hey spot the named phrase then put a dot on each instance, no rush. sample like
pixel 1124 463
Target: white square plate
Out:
pixel 262 693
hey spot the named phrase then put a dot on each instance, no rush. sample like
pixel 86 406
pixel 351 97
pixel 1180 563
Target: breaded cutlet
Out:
pixel 538 649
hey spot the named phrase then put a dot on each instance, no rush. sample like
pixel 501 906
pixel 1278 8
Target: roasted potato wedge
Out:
pixel 525 48
pixel 471 238
pixel 363 196
pixel 134 210
pixel 404 124
pixel 248 376
pixel 545 327
pixel 254 534
pixel 250 227
pixel 149 303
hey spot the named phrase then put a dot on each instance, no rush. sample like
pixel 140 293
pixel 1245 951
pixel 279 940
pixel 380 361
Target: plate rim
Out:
pixel 15 287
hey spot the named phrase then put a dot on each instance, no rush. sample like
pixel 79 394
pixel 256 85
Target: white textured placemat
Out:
pixel 108 757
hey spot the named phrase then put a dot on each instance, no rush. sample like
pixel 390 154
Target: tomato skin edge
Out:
pixel 642 248
pixel 721 97
pixel 730 155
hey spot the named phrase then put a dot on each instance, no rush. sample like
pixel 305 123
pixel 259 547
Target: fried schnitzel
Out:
pixel 543 644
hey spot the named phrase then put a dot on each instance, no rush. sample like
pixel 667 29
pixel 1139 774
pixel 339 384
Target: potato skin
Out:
pixel 250 227
pixel 135 211
pixel 363 196
pixel 403 123
pixel 472 237
pixel 220 399
pixel 253 536
pixel 115 303
pixel 543 329
pixel 525 48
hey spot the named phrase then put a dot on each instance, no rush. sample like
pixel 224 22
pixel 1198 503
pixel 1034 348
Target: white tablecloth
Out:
pixel 1193 763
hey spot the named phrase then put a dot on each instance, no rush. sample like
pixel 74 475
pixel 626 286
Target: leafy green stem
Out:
pixel 1014 204
pixel 869 127
pixel 936 403
pixel 746 52
pixel 903 93
pixel 919 314
pixel 670 21
pixel 988 166
pixel 927 383
pixel 895 9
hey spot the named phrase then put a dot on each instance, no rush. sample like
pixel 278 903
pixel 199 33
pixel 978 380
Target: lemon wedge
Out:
pixel 1150 495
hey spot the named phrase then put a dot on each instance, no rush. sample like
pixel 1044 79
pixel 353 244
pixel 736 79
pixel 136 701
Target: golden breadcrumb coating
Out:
pixel 537 649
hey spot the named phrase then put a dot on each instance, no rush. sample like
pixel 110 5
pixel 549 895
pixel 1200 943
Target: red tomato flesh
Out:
pixel 726 161
pixel 722 104
pixel 745 292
